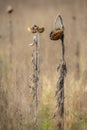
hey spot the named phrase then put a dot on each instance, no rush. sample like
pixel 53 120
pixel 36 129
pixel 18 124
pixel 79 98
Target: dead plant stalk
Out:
pixel 56 34
pixel 36 68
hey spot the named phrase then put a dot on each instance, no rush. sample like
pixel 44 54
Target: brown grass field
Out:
pixel 16 106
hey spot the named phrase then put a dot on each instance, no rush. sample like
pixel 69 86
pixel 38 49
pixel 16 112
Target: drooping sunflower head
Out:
pixel 56 34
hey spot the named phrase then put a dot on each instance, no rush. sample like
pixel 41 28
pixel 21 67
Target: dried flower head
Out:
pixel 35 29
pixel 58 32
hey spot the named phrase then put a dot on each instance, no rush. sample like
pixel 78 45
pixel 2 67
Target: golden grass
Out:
pixel 15 94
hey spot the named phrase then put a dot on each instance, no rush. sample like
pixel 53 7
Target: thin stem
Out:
pixel 55 22
pixel 63 48
pixel 10 29
pixel 58 19
pixel 10 36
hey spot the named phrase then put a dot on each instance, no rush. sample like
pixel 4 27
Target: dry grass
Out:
pixel 15 93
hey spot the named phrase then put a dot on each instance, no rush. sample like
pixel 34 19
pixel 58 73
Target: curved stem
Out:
pixel 58 17
pixel 55 22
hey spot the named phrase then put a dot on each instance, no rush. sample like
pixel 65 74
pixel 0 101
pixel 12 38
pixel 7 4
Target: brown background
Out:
pixel 15 82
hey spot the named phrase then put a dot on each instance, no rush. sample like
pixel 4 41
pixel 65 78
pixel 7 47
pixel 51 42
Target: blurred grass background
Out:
pixel 15 93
